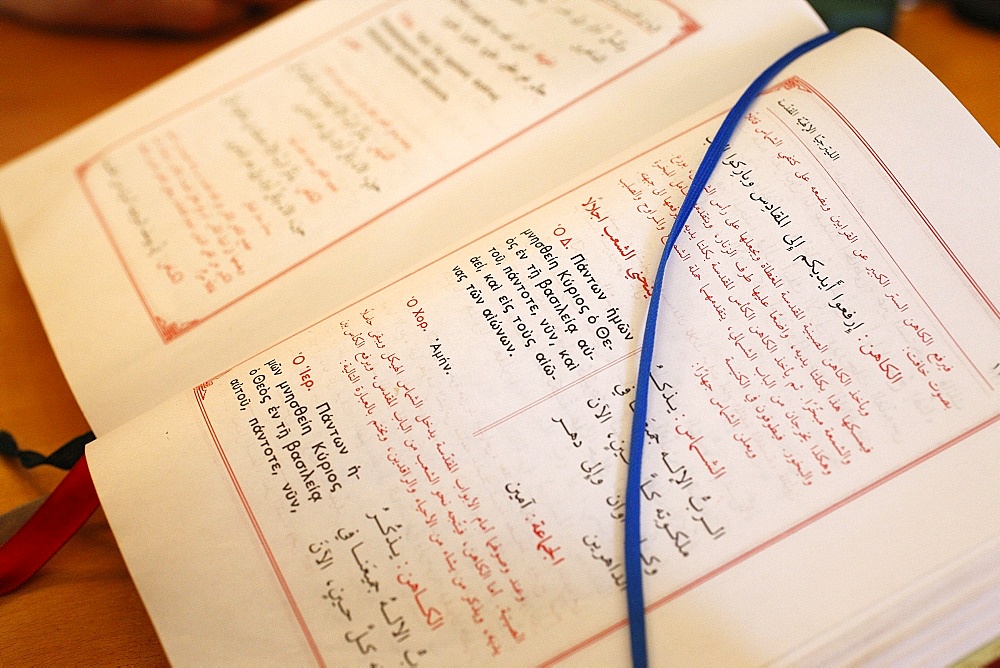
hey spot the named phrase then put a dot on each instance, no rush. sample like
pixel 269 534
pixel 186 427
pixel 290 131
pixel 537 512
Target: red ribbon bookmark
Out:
pixel 59 517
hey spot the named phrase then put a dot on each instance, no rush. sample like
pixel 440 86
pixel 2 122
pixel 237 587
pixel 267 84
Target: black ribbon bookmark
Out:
pixel 64 458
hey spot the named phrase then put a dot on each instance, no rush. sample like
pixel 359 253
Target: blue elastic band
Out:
pixel 633 557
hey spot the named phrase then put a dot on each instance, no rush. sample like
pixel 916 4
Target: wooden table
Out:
pixel 82 607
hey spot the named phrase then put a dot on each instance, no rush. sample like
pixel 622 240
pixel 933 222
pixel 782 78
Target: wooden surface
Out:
pixel 82 607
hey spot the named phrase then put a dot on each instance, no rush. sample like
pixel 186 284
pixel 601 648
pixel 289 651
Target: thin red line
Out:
pixel 930 226
pixel 496 423
pixel 282 582
pixel 859 493
pixel 732 563
pixel 805 85
pixel 168 336
pixel 80 171
pixel 686 20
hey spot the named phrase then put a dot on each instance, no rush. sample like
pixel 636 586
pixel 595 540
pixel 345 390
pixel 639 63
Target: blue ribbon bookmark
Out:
pixel 633 537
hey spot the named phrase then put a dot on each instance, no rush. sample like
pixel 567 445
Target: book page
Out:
pixel 309 162
pixel 434 474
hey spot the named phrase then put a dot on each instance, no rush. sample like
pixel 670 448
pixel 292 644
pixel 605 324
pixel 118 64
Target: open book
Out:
pixel 355 310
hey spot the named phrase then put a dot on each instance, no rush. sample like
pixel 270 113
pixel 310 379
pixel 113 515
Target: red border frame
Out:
pixel 169 330
pixel 791 82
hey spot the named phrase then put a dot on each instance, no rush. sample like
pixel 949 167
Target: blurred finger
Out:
pixel 189 17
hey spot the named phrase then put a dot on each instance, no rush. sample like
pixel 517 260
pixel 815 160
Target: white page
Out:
pixel 434 473
pixel 235 202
